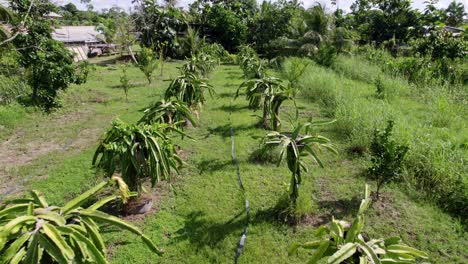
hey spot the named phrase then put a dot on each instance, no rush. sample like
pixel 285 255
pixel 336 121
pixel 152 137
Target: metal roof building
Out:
pixel 77 35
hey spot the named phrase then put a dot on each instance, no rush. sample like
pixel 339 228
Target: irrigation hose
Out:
pixel 240 248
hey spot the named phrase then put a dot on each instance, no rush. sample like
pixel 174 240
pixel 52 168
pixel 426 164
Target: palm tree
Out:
pixel 190 89
pixel 454 13
pixel 138 152
pixel 295 147
pixel 170 112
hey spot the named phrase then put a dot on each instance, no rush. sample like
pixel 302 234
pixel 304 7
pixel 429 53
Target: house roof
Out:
pixel 87 34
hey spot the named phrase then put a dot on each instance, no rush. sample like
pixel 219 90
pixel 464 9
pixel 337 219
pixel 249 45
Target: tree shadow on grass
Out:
pixel 202 232
pixel 232 108
pixel 226 95
pixel 212 165
pixel 225 130
pixel 341 208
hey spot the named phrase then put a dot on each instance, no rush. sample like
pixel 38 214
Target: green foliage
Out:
pixel 170 112
pixel 387 157
pixel 270 92
pixel 441 44
pixel 48 64
pixel 272 23
pixel 82 72
pixel 159 27
pixel 147 62
pixel 201 64
pixel 188 88
pixel 32 231
pixel 342 242
pixel 293 69
pixel 12 88
pixel 295 148
pixel 138 152
pixel 326 55
pixel 125 81
pixel 225 27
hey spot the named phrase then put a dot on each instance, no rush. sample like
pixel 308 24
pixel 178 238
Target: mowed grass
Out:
pixel 201 217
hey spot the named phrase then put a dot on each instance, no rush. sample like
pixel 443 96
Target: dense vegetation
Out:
pixel 382 89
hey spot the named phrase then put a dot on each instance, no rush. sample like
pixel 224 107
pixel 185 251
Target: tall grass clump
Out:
pixel 439 170
pixel 321 85
pixel 357 118
pixel 11 88
pixel 356 68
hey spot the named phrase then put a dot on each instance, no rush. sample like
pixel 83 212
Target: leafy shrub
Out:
pixel 342 242
pixel 292 70
pixel 125 81
pixel 32 231
pixel 82 72
pixel 148 62
pixel 326 55
pixel 441 44
pixel 387 157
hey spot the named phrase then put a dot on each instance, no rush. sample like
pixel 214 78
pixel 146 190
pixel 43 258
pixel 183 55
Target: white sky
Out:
pixel 343 4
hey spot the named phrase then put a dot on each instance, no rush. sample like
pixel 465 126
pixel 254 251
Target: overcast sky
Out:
pixel 344 4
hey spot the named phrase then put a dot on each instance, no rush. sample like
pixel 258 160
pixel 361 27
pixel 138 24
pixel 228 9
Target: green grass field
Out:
pixel 201 217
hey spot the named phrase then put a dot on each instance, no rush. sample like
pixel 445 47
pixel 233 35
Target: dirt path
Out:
pixel 55 134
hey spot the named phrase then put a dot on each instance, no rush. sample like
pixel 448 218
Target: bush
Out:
pixel 326 55
pixel 387 157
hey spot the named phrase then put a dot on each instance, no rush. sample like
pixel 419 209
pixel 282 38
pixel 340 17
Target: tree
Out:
pixel 147 62
pixel 387 157
pixel 159 26
pixel 295 147
pixel 33 231
pixel 272 22
pixel 225 27
pixel 454 14
pixel 138 152
pixel 49 65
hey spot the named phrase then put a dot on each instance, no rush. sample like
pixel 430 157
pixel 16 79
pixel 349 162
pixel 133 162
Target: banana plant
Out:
pixel 190 89
pixel 138 152
pixel 170 112
pixel 342 242
pixel 295 147
pixel 33 231
pixel 263 91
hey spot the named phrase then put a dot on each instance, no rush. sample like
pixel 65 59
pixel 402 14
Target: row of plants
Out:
pixel 340 242
pixel 32 231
